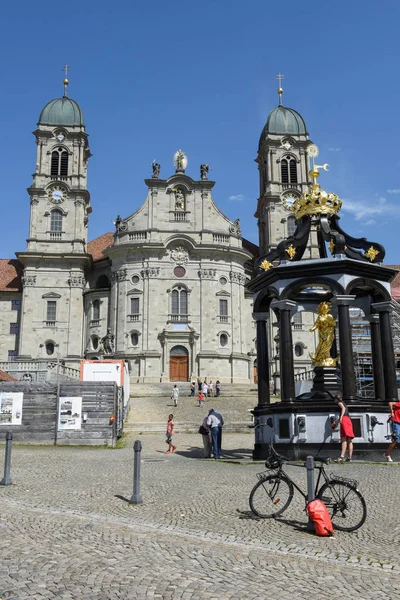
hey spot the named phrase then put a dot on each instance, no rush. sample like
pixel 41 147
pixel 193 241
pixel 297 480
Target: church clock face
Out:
pixel 57 194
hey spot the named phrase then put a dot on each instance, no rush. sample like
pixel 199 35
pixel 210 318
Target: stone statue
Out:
pixel 108 342
pixel 325 325
pixel 179 200
pixel 156 169
pixel 204 172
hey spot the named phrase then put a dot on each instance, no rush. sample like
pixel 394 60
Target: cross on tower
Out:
pixel 280 78
pixel 66 68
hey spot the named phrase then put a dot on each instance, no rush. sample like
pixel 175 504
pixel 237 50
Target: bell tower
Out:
pixel 55 258
pixel 283 173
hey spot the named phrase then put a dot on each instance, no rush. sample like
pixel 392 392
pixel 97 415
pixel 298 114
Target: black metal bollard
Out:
pixel 310 487
pixel 7 462
pixel 136 497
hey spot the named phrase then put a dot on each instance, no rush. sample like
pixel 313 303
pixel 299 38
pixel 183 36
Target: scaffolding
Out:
pixel 362 355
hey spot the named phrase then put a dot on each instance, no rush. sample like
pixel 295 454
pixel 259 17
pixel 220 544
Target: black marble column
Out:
pixel 262 359
pixel 389 367
pixel 286 308
pixel 346 347
pixel 377 360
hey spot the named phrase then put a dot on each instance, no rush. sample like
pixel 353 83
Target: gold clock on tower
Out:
pixel 57 194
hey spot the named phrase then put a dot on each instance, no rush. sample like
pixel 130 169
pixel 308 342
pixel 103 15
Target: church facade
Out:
pixel 165 291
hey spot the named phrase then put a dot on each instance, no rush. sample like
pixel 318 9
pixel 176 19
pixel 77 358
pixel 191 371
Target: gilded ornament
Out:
pixel 265 265
pixel 291 251
pixel 371 254
pixel 325 325
pixel 332 246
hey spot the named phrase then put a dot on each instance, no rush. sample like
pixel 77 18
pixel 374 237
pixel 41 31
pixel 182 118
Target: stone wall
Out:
pixel 99 402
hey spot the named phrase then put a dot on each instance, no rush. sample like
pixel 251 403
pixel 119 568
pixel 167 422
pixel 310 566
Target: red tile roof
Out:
pixel 6 377
pixel 10 275
pixel 96 246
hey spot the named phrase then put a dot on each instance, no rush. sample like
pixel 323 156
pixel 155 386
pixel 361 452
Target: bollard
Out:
pixel 310 487
pixel 7 463
pixel 136 497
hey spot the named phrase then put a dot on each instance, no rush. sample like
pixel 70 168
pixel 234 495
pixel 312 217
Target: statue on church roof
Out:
pixel 204 172
pixel 156 169
pixel 180 161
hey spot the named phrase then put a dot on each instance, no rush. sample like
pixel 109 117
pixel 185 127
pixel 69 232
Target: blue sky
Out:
pixel 152 77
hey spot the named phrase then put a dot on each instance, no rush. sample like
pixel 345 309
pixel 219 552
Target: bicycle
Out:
pixel 272 494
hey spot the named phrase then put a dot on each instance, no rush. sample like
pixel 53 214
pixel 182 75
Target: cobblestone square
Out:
pixel 67 531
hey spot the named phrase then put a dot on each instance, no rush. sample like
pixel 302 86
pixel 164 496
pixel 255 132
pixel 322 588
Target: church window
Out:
pixel 299 350
pixel 59 163
pixel 13 328
pixel 51 312
pixel 49 348
pixel 223 339
pixel 96 310
pixel 179 305
pixel 95 342
pixel 291 224
pixel 223 311
pixel 288 170
pixel 134 306
pixel 223 280
pixel 12 355
pixel 56 219
pixel 134 338
pixel 135 279
pixel 297 321
pixel 15 304
pixel 179 271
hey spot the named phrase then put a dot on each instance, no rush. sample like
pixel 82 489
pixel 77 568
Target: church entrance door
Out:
pixel 179 364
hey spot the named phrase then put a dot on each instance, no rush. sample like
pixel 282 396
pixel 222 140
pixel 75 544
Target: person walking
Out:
pixel 201 399
pixel 192 388
pixel 346 432
pixel 220 426
pixel 169 434
pixel 205 434
pixel 394 418
pixel 217 388
pixel 199 384
pixel 204 389
pixel 213 424
pixel 175 395
pixel 211 389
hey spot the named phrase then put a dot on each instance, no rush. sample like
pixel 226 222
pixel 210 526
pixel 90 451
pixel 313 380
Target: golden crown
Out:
pixel 316 201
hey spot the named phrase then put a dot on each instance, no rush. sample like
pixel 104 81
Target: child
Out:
pixel 168 437
pixel 201 399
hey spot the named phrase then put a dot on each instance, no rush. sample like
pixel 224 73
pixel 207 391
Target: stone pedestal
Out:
pixel 326 380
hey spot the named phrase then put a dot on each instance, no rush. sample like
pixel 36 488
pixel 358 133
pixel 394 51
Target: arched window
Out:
pixel 288 170
pixel 134 338
pixel 56 221
pixel 179 303
pixel 223 340
pixel 59 163
pixel 96 310
pixel 291 225
pixel 49 348
pixel 95 342
pixel 299 350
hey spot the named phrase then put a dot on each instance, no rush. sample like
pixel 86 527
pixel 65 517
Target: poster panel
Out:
pixel 70 413
pixel 11 408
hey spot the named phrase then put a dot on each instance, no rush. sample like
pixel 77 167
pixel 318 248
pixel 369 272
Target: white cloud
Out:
pixel 237 197
pixel 362 211
pixel 334 149
pixel 395 191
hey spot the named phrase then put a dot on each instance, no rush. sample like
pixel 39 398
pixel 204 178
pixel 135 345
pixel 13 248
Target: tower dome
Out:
pixel 62 111
pixel 282 120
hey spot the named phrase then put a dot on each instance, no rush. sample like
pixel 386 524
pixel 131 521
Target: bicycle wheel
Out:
pixel 345 504
pixel 271 496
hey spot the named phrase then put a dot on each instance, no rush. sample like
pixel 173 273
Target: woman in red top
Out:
pixel 395 420
pixel 169 434
pixel 346 431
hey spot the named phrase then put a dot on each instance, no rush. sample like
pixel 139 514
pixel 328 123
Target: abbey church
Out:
pixel 166 290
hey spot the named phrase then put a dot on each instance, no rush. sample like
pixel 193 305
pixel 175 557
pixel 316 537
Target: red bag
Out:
pixel 319 515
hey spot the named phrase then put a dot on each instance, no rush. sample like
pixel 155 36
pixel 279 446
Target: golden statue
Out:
pixel 325 325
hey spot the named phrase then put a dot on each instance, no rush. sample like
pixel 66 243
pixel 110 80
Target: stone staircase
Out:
pixel 150 405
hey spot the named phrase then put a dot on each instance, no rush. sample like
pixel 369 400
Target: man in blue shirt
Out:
pixel 221 421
